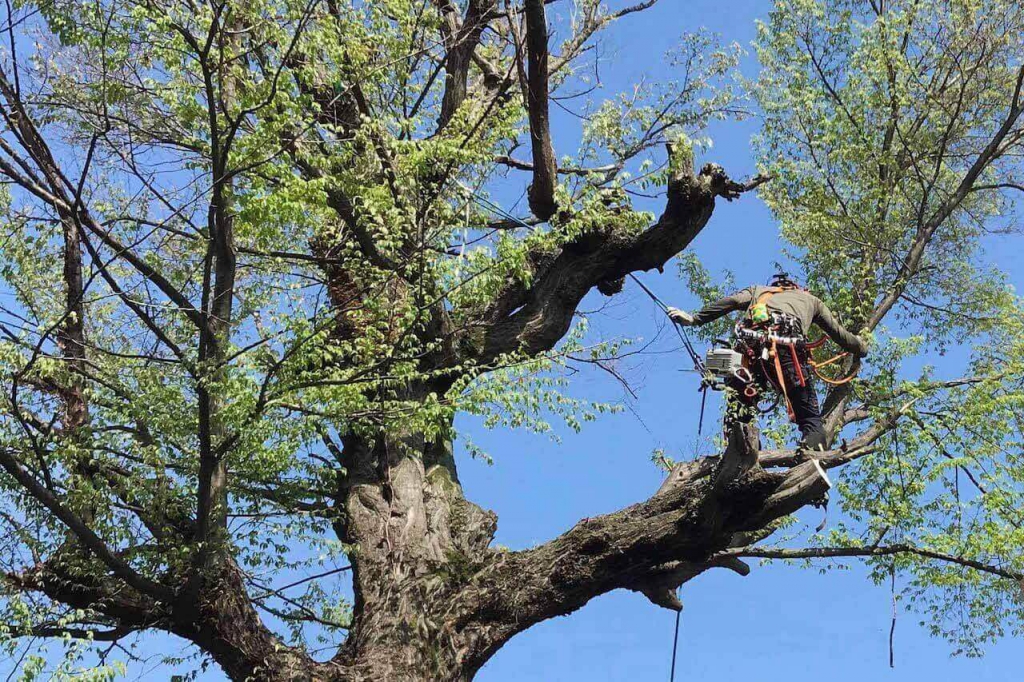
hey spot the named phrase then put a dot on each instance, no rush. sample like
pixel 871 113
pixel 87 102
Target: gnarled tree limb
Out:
pixel 639 548
pixel 533 318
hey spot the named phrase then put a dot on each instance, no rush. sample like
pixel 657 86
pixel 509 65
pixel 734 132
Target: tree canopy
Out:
pixel 258 255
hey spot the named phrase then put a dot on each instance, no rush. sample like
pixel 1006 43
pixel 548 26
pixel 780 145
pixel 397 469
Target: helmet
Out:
pixel 782 279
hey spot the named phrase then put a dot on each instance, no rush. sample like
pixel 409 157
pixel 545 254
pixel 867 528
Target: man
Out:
pixel 784 311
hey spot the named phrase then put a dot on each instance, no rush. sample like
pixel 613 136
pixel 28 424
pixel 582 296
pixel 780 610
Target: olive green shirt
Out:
pixel 800 304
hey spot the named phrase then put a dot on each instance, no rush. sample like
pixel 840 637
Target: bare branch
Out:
pixel 890 550
pixel 10 463
pixel 545 166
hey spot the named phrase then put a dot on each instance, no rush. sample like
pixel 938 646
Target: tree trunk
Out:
pixel 419 539
pixel 435 602
pixel 419 543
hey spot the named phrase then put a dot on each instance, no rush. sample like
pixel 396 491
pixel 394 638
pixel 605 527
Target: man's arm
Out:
pixel 849 341
pixel 713 311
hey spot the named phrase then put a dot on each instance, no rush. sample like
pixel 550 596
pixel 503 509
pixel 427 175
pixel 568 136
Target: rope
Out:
pixel 698 363
pixel 683 335
pixel 675 646
pixel 782 380
pixel 828 362
pixel 816 366
pixel 486 203
pixel 703 403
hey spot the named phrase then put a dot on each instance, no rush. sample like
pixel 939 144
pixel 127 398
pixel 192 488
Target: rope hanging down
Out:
pixel 675 646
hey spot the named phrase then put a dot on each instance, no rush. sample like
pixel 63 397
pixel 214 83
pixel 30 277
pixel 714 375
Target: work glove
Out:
pixel 680 317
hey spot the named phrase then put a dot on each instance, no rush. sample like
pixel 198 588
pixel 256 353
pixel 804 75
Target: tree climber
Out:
pixel 772 338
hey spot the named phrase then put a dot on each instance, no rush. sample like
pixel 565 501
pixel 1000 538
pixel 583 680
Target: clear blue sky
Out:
pixel 779 623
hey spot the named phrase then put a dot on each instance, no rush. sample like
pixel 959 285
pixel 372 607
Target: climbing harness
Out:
pixel 760 339
pixel 764 334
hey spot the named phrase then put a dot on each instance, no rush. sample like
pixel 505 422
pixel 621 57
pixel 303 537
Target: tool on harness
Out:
pixel 727 366
pixel 764 334
pixel 724 362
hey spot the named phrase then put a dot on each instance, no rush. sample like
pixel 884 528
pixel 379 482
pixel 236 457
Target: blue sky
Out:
pixel 779 623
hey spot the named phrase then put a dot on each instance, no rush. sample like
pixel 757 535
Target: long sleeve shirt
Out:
pixel 800 304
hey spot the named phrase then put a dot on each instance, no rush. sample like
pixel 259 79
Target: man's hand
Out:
pixel 680 317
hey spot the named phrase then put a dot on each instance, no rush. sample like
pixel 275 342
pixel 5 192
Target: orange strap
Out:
pixel 834 382
pixel 768 293
pixel 780 376
pixel 765 295
pixel 796 365
pixel 828 362
pixel 782 381
pixel 811 345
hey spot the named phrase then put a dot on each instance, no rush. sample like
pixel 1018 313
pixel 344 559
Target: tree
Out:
pixel 255 272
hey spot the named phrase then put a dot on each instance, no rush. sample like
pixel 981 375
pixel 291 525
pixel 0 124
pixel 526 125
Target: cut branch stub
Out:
pixel 741 454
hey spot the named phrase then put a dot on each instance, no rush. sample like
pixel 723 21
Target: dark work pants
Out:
pixel 804 399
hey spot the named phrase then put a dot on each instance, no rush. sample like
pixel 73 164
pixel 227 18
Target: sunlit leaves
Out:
pixel 877 120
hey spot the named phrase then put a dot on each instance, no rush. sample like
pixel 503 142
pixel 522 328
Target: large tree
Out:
pixel 255 264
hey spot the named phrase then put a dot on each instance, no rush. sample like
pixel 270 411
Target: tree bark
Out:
pixel 545 166
pixel 435 602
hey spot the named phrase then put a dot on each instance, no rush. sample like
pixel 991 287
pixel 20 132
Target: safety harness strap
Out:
pixel 762 299
pixel 768 293
pixel 796 365
pixel 782 380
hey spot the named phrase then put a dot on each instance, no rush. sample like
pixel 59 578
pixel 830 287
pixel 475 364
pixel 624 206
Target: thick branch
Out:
pixel 545 167
pixel 533 318
pixel 692 522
